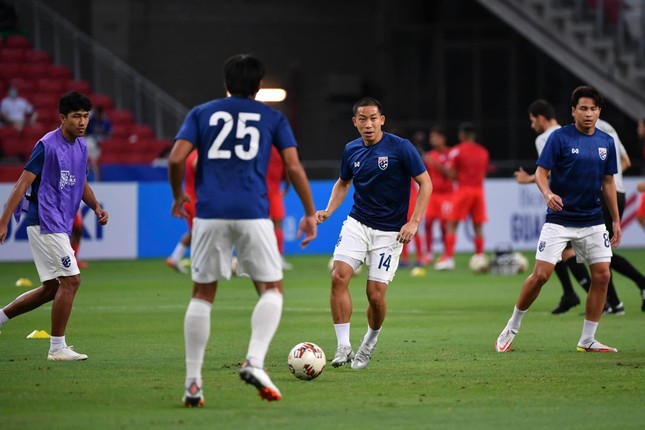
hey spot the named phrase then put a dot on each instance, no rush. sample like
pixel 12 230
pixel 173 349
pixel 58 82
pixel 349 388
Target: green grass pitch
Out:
pixel 434 366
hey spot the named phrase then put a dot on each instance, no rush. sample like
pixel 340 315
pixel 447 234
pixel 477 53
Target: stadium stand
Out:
pixel 42 83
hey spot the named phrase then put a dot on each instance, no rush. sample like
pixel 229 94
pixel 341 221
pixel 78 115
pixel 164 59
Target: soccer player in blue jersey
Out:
pixel 581 162
pixel 233 137
pixel 380 166
pixel 55 181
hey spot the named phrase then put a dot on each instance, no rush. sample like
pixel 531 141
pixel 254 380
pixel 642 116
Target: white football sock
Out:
pixel 264 323
pixel 588 332
pixel 342 334
pixel 516 319
pixel 179 252
pixel 371 337
pixel 3 317
pixel 56 343
pixel 197 328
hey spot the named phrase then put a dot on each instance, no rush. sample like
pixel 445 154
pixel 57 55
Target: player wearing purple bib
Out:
pixel 56 174
pixel 576 165
pixel 233 137
pixel 380 166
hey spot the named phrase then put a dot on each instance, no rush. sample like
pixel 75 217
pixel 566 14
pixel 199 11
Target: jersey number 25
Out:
pixel 240 133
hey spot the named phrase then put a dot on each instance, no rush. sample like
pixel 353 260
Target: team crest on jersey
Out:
pixel 382 163
pixel 66 178
pixel 67 261
pixel 603 153
pixel 542 245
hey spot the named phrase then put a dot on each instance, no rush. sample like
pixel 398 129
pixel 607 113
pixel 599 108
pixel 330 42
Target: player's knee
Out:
pixel 541 275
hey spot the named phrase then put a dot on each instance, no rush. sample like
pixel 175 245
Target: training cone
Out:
pixel 38 334
pixel 24 282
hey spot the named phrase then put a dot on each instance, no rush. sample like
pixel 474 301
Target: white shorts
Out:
pixel 379 250
pixel 591 244
pixel 53 254
pixel 255 244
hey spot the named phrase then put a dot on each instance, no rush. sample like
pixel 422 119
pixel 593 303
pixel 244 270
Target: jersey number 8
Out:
pixel 240 133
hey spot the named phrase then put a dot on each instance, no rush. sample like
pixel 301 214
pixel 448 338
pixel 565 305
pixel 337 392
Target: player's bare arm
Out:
pixel 610 196
pixel 298 178
pixel 16 195
pixel 522 177
pixel 553 201
pixel 176 167
pixel 338 194
pixel 90 200
pixel 410 228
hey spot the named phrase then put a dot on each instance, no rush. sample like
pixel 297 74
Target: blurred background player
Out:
pixel 468 165
pixel 233 136
pixel 275 192
pixel 619 263
pixel 640 214
pixel 437 163
pixel 175 260
pixel 16 110
pixel 380 166
pixel 543 122
pixel 98 129
pixel 75 239
pixel 421 257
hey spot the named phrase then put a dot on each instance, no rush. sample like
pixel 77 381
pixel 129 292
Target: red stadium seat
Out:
pixel 36 56
pixel 142 131
pixel 59 72
pixel 102 100
pixel 11 173
pixel 12 55
pixel 49 117
pixel 8 135
pixel 10 71
pixel 46 101
pixel 17 41
pixel 82 87
pixel 23 86
pixel 123 117
pixel 51 86
pixel 36 70
pixel 120 131
pixel 34 132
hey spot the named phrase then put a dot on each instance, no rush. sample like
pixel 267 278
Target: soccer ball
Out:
pixel 479 263
pixel 521 261
pixel 306 361
pixel 330 266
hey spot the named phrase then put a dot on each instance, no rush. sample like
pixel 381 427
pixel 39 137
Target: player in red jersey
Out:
pixel 275 192
pixel 175 259
pixel 468 162
pixel 436 161
pixel 640 214
pixel 75 240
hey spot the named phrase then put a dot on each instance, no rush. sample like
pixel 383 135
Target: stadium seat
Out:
pixel 23 86
pixel 8 135
pixel 59 72
pixel 120 131
pixel 35 70
pixel 102 100
pixel 20 148
pixel 46 101
pixel 82 87
pixel 51 86
pixel 12 55
pixel 49 117
pixel 142 131
pixel 123 117
pixel 34 132
pixel 10 71
pixel 36 56
pixel 10 173
pixel 17 41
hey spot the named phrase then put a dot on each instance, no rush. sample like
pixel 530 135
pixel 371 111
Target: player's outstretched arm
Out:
pixel 522 177
pixel 338 194
pixel 298 178
pixel 16 195
pixel 90 200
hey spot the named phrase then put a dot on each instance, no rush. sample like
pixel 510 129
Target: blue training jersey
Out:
pixel 578 165
pixel 233 137
pixel 381 176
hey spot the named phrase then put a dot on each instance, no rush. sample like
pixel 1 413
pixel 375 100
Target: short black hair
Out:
pixel 439 129
pixel 367 101
pixel 242 75
pixel 542 107
pixel 586 92
pixel 467 128
pixel 72 102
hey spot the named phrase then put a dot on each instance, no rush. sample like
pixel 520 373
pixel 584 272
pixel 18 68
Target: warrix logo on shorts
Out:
pixel 382 163
pixel 542 246
pixel 603 153
pixel 66 179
